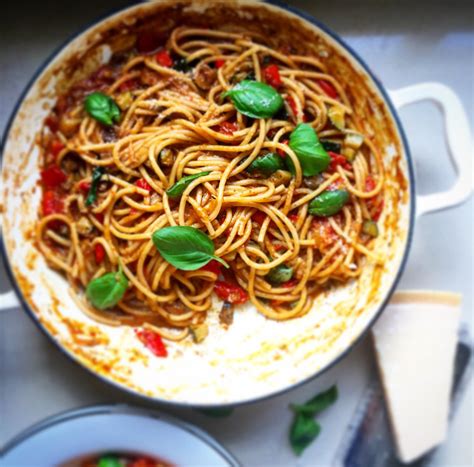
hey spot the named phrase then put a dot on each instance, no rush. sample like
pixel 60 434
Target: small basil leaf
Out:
pixel 109 461
pixel 328 203
pixel 267 164
pixel 255 99
pixel 178 188
pixel 318 403
pixel 312 156
pixel 280 274
pixel 107 290
pixel 102 107
pixel 96 175
pixel 185 247
pixel 217 412
pixel 331 146
pixel 303 432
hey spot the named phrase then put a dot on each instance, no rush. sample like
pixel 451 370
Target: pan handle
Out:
pixel 8 300
pixel 458 138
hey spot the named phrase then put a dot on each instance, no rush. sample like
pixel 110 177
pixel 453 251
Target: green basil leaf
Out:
pixel 178 188
pixel 267 164
pixel 312 156
pixel 217 412
pixel 109 461
pixel 279 274
pixel 96 175
pixel 331 146
pixel 318 403
pixel 186 248
pixel 255 99
pixel 102 107
pixel 303 432
pixel 328 203
pixel 107 290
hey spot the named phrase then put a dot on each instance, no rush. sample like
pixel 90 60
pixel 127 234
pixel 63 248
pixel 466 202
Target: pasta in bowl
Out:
pixel 225 204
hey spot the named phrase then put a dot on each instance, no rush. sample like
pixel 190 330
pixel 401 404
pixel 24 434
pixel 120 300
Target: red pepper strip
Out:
pixel 164 58
pixel 227 128
pixel 53 176
pixel 56 147
pixel 52 204
pixel 152 341
pixel 328 88
pixel 231 293
pixel 99 253
pixel 84 186
pixel 280 151
pixel 219 63
pixel 272 75
pixel 142 183
pixel 338 160
pixel 213 266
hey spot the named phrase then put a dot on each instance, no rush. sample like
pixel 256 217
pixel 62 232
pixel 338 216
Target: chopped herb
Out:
pixel 96 176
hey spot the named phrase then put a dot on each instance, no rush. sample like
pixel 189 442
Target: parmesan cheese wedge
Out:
pixel 415 341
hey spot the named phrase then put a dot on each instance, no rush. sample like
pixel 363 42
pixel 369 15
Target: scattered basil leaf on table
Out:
pixel 280 274
pixel 303 432
pixel 304 429
pixel 107 290
pixel 267 164
pixel 255 99
pixel 217 412
pixel 328 203
pixel 317 404
pixel 178 188
pixel 102 107
pixel 109 461
pixel 312 156
pixel 185 247
pixel 96 176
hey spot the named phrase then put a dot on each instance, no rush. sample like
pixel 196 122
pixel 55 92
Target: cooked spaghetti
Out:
pixel 169 112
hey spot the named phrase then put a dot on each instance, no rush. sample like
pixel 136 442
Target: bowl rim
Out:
pixel 383 302
pixel 120 409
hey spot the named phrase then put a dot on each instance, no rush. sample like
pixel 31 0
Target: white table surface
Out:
pixel 404 42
